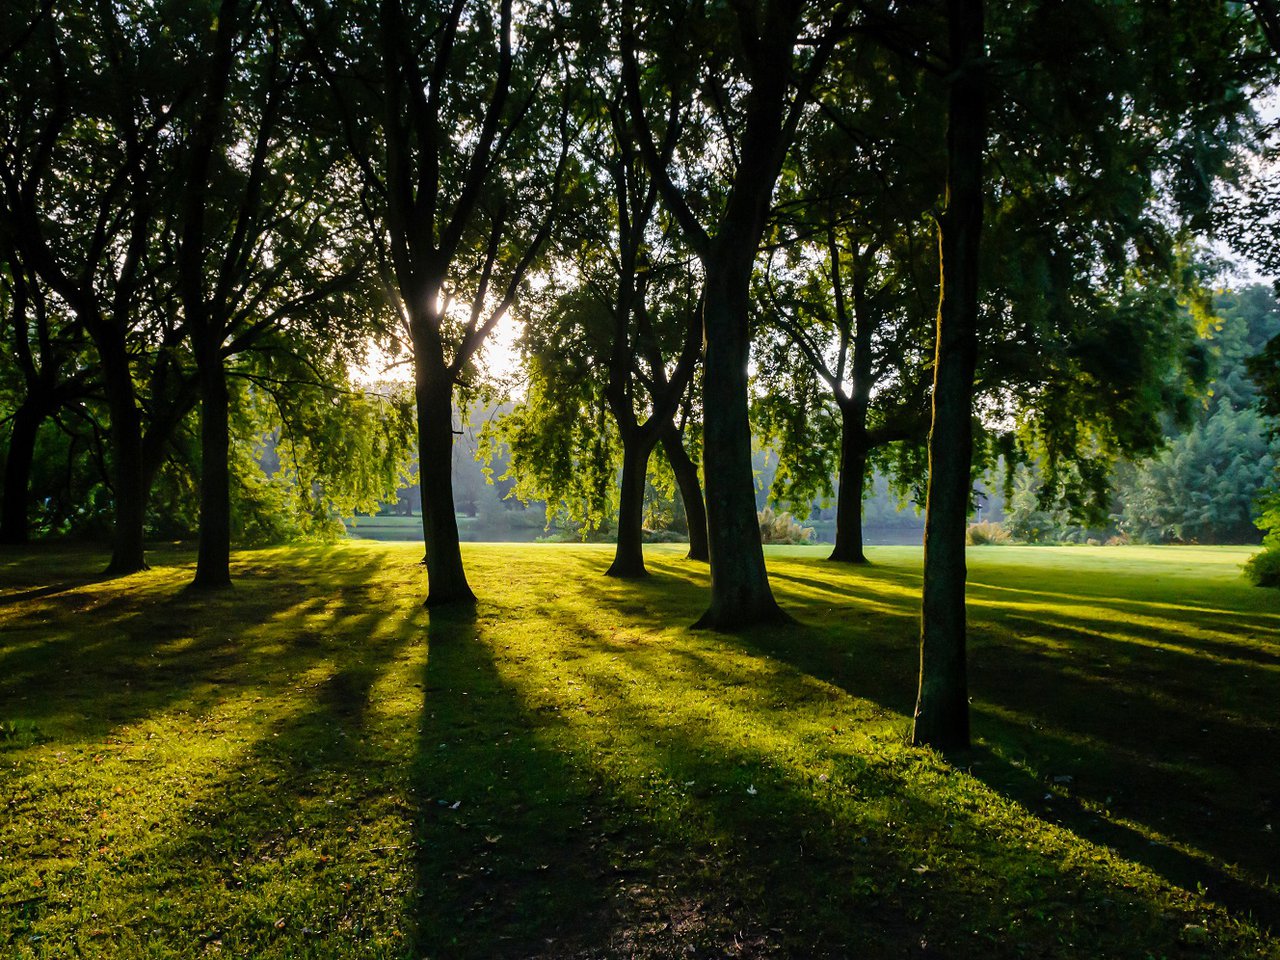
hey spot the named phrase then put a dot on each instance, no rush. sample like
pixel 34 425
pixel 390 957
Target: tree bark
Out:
pixel 853 474
pixel 628 557
pixel 213 559
pixel 740 593
pixel 14 519
pixel 686 474
pixel 128 476
pixel 942 710
pixel 446 579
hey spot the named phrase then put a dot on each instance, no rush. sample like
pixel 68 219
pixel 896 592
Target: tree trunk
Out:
pixel 686 474
pixel 942 710
pixel 446 579
pixel 213 560
pixel 853 474
pixel 628 557
pixel 128 476
pixel 740 594
pixel 17 473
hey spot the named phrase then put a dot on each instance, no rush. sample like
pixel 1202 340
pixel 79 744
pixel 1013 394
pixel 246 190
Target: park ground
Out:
pixel 314 765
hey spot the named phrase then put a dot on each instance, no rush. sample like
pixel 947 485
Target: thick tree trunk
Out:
pixel 446 579
pixel 740 594
pixel 17 473
pixel 942 710
pixel 128 476
pixel 213 560
pixel 853 474
pixel 628 557
pixel 686 474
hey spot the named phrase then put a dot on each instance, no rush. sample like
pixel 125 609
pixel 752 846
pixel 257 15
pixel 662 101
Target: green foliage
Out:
pixel 1202 487
pixel 1263 569
pixel 561 441
pixel 308 453
pixel 1110 139
pixel 1033 515
pixel 794 413
pixel 1109 379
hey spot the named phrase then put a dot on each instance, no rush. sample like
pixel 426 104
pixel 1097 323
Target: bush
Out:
pixel 782 528
pixel 987 533
pixel 665 536
pixel 1263 569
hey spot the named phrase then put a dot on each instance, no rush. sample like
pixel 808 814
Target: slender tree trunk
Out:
pixel 628 557
pixel 853 475
pixel 129 488
pixel 686 473
pixel 446 578
pixel 740 594
pixel 17 473
pixel 213 560
pixel 942 710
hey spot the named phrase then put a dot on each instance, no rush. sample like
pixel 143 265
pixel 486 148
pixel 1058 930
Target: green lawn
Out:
pixel 315 766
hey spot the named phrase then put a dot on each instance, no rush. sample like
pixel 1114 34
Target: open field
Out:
pixel 525 527
pixel 315 766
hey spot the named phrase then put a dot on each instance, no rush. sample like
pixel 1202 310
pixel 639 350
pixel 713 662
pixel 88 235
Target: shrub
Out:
pixel 986 533
pixel 782 528
pixel 1263 569
pixel 665 536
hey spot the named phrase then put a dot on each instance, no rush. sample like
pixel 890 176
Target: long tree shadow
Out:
pixel 674 770
pixel 508 864
pixel 1169 763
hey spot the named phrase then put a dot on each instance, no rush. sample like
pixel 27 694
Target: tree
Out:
pixel 446 112
pixel 308 450
pixel 1130 152
pixel 845 294
pixel 757 76
pixel 851 319
pixel 1202 486
pixel 684 470
pixel 942 707
pixel 81 194
pixel 49 376
pixel 643 335
pixel 631 313
pixel 262 222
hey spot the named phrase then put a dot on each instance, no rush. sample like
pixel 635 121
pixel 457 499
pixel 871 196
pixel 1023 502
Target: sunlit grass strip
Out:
pixel 774 731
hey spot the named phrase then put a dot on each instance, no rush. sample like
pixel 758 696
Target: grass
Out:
pixel 514 525
pixel 314 766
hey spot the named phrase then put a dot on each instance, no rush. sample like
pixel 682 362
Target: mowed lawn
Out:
pixel 314 765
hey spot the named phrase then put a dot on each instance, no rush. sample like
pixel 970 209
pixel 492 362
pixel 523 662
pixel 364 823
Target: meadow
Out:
pixel 314 765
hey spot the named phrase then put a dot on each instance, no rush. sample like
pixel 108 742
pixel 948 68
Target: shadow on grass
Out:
pixel 659 766
pixel 267 831
pixel 1160 736
pixel 507 862
pixel 121 653
pixel 608 785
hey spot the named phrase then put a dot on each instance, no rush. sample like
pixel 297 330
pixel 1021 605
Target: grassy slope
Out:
pixel 315 766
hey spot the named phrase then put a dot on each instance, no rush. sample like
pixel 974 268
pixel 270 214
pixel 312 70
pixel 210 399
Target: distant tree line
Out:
pixel 915 238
